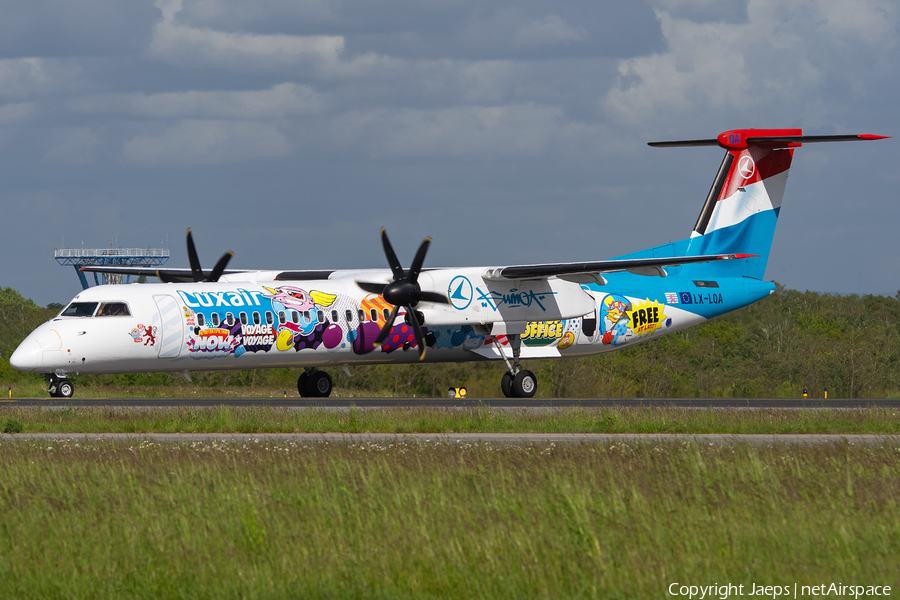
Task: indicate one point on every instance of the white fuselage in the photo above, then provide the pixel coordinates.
(255, 322)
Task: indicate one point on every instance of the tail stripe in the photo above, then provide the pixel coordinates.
(710, 205)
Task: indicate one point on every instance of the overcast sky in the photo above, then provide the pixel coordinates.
(290, 131)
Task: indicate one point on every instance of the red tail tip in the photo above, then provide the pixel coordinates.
(744, 255)
(869, 136)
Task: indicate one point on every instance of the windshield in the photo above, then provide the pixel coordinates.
(79, 309)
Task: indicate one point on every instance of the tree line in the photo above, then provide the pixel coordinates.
(778, 347)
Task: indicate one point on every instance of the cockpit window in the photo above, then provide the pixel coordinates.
(113, 309)
(79, 309)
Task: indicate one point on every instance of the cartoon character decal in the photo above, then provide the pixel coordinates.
(284, 318)
(614, 310)
(621, 320)
(145, 334)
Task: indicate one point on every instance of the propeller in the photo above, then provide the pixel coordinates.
(196, 269)
(403, 291)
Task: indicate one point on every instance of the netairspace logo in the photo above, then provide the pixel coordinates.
(701, 592)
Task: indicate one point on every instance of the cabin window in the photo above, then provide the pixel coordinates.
(256, 319)
(295, 317)
(79, 309)
(215, 319)
(362, 315)
(113, 309)
(201, 320)
(320, 316)
(270, 318)
(374, 314)
(334, 316)
(282, 318)
(349, 315)
(386, 313)
(243, 317)
(306, 316)
(229, 319)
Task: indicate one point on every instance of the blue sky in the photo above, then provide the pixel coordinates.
(511, 132)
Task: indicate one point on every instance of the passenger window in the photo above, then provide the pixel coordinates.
(269, 318)
(243, 316)
(282, 318)
(113, 309)
(295, 317)
(256, 319)
(79, 309)
(374, 314)
(229, 319)
(349, 315)
(386, 313)
(201, 320)
(215, 319)
(306, 316)
(362, 315)
(320, 316)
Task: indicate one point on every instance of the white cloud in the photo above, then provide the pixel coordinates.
(783, 55)
(193, 142)
(280, 101)
(177, 42)
(551, 29)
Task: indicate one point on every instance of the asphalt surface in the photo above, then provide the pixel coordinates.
(296, 402)
(462, 438)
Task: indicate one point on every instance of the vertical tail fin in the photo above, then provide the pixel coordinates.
(741, 210)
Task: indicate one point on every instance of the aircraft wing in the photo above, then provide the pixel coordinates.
(640, 266)
(176, 273)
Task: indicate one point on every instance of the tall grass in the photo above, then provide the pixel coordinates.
(449, 420)
(282, 520)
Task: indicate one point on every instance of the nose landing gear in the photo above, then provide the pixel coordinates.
(60, 387)
(516, 382)
(314, 383)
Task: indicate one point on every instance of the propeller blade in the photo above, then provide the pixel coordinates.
(372, 287)
(386, 330)
(166, 278)
(432, 297)
(220, 267)
(396, 269)
(196, 270)
(417, 261)
(420, 339)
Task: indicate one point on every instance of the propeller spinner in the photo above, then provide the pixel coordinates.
(403, 291)
(196, 269)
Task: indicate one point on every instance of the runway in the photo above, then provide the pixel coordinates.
(382, 439)
(295, 402)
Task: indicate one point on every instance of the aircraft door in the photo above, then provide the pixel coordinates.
(589, 326)
(171, 327)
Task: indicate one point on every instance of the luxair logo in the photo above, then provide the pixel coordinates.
(646, 317)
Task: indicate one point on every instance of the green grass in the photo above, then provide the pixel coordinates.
(267, 520)
(448, 420)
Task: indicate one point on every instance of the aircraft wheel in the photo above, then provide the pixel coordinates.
(524, 384)
(302, 382)
(506, 384)
(319, 385)
(65, 389)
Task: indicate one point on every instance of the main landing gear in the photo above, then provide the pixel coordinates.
(516, 382)
(314, 383)
(60, 387)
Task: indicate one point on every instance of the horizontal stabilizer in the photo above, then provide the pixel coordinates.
(741, 139)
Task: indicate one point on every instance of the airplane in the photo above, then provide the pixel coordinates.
(215, 319)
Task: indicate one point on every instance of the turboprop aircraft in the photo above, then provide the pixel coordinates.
(226, 319)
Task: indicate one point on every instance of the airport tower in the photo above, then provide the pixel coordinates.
(110, 257)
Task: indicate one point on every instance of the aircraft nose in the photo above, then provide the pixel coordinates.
(27, 357)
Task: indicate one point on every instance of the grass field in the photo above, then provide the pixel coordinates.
(449, 420)
(266, 520)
